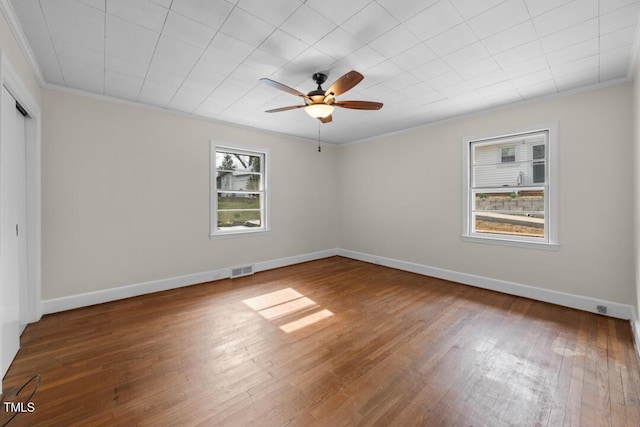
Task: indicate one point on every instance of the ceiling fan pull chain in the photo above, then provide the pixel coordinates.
(319, 148)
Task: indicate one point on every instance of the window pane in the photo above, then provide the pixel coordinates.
(514, 213)
(238, 181)
(239, 219)
(237, 201)
(538, 172)
(538, 152)
(495, 165)
(230, 161)
(509, 201)
(509, 224)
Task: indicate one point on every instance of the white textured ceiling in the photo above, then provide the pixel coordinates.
(426, 60)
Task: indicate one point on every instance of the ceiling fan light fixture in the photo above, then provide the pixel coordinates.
(319, 111)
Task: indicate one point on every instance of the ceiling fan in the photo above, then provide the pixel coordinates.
(320, 103)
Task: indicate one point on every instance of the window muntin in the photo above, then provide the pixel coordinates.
(239, 191)
(508, 204)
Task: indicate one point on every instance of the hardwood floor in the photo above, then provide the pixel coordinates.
(330, 342)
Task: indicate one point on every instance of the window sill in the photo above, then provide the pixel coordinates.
(237, 234)
(512, 243)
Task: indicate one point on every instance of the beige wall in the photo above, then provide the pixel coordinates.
(401, 197)
(126, 196)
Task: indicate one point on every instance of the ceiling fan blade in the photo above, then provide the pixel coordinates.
(359, 105)
(282, 87)
(291, 107)
(344, 83)
(326, 119)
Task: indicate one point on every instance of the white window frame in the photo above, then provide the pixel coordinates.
(264, 192)
(550, 240)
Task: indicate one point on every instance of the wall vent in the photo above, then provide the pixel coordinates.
(246, 270)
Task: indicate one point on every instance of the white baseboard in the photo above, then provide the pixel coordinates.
(621, 311)
(635, 330)
(297, 259)
(98, 297)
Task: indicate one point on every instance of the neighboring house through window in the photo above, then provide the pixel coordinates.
(538, 164)
(514, 204)
(239, 191)
(508, 154)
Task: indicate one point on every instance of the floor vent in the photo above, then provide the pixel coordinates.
(247, 270)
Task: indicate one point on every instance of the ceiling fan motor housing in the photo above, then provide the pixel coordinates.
(318, 94)
(319, 78)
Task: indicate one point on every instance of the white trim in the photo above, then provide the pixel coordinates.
(236, 235)
(14, 84)
(633, 64)
(122, 292)
(635, 331)
(18, 90)
(614, 309)
(296, 259)
(617, 310)
(497, 109)
(166, 110)
(489, 240)
(98, 297)
(14, 23)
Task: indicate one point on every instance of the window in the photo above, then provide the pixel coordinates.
(239, 191)
(514, 205)
(538, 168)
(508, 154)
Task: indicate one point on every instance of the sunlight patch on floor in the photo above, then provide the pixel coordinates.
(306, 321)
(287, 308)
(286, 302)
(272, 299)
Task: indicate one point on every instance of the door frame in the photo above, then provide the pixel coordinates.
(18, 90)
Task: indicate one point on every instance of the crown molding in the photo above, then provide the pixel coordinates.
(159, 109)
(633, 64)
(454, 118)
(21, 39)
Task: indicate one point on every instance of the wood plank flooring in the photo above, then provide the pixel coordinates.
(330, 342)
